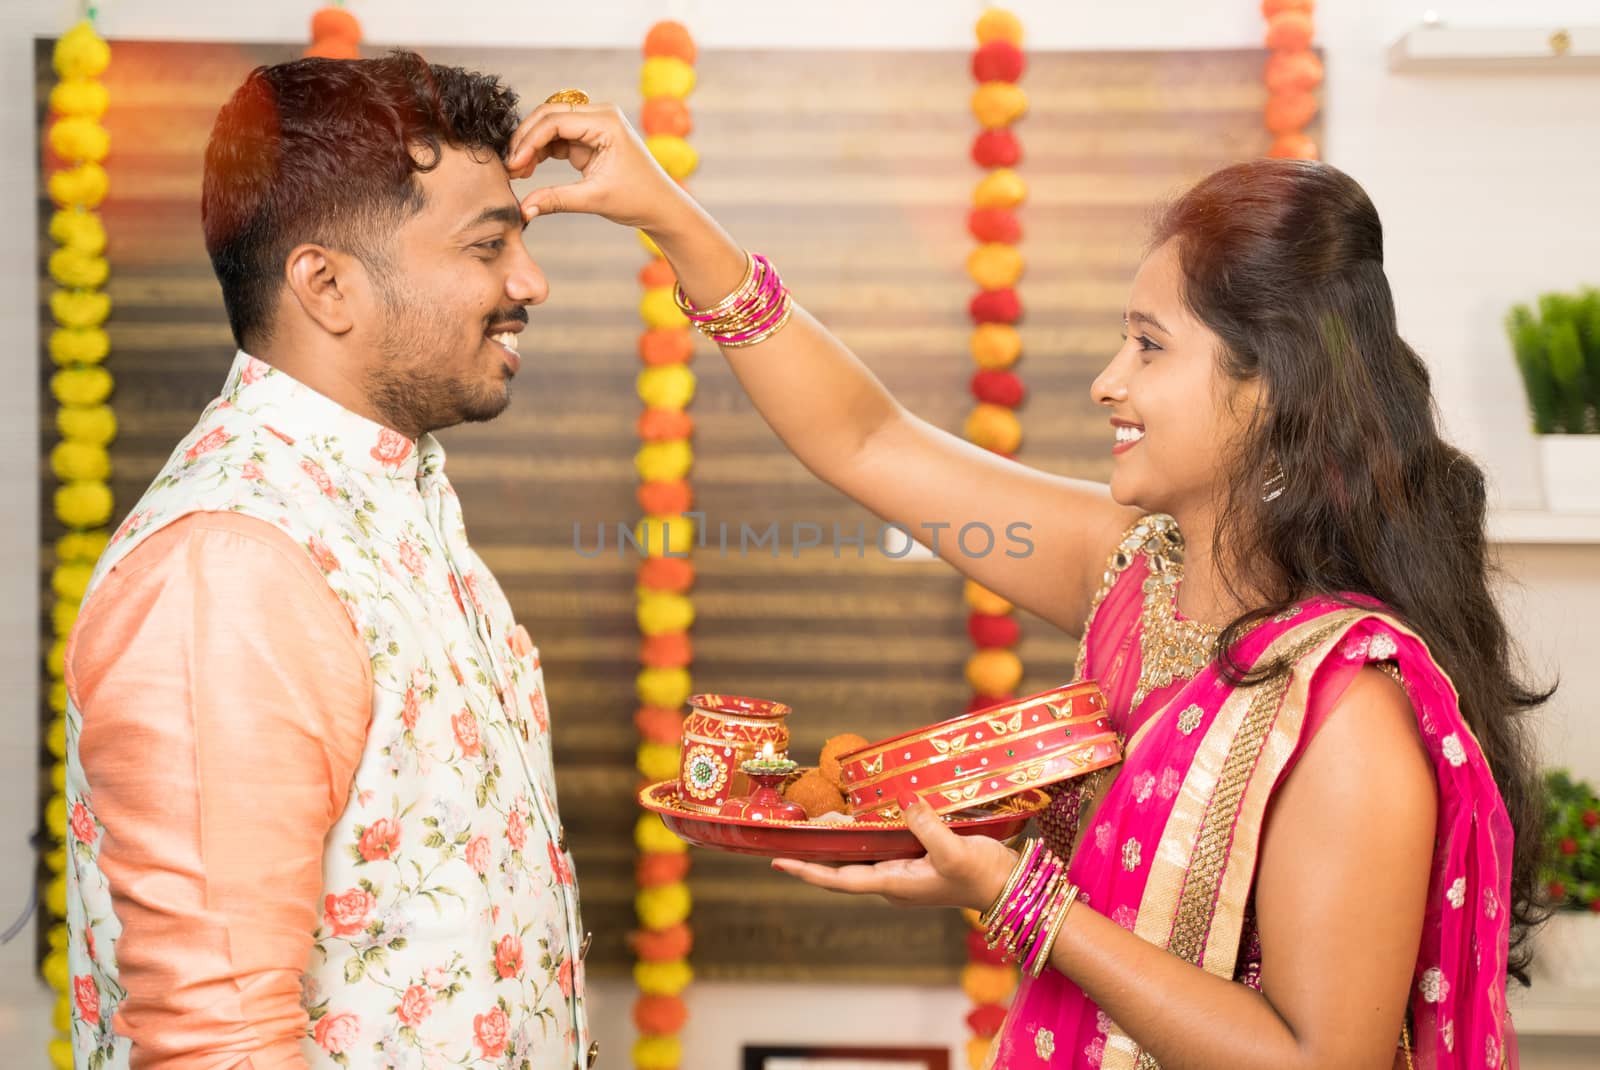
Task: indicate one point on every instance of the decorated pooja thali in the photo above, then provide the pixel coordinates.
(984, 772)
(822, 840)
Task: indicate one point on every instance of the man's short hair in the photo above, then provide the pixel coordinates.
(327, 151)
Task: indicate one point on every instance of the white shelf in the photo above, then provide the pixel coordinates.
(1560, 529)
(1551, 49)
(1555, 1012)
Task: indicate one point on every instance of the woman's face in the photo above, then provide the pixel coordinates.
(1176, 416)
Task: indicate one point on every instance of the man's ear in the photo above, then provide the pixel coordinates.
(322, 281)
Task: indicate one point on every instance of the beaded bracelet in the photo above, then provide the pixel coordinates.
(757, 309)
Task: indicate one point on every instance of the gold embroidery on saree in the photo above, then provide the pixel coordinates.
(1206, 863)
(1172, 887)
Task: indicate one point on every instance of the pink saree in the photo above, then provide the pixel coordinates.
(1170, 852)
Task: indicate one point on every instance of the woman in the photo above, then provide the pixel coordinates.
(1318, 850)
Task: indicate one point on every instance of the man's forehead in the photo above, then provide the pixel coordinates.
(466, 186)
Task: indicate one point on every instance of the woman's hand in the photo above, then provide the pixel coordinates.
(621, 180)
(957, 871)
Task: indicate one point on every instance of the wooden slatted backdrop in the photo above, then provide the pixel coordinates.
(850, 170)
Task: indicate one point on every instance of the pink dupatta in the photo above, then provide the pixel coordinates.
(1170, 852)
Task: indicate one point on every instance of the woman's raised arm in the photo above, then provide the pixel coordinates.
(1035, 539)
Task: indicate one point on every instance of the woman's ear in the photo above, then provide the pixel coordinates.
(321, 281)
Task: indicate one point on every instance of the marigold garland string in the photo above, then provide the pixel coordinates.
(78, 345)
(665, 612)
(994, 669)
(335, 34)
(1292, 74)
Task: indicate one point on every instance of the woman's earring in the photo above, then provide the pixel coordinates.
(1273, 487)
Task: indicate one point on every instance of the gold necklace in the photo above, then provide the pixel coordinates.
(1170, 648)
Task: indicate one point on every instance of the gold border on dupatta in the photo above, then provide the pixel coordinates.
(1177, 903)
(1219, 953)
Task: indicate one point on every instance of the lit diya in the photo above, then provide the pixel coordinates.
(982, 757)
(767, 772)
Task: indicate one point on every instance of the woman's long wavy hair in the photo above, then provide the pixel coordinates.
(1283, 259)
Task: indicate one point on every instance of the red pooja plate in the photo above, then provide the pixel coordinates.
(816, 841)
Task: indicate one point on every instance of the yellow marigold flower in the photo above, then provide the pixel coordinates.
(658, 310)
(77, 269)
(72, 460)
(78, 137)
(78, 230)
(994, 671)
(662, 978)
(999, 104)
(662, 906)
(81, 53)
(657, 1053)
(994, 427)
(1000, 188)
(666, 386)
(79, 345)
(995, 346)
(664, 460)
(998, 24)
(994, 266)
(75, 309)
(676, 156)
(665, 76)
(649, 835)
(657, 761)
(83, 186)
(80, 96)
(664, 688)
(982, 600)
(83, 505)
(92, 424)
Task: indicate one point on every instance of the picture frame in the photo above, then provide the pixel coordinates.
(841, 1057)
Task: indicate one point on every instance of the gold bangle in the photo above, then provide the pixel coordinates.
(740, 319)
(991, 915)
(1036, 893)
(1043, 958)
(1039, 911)
(782, 321)
(739, 294)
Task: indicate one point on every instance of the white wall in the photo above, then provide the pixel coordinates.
(1480, 180)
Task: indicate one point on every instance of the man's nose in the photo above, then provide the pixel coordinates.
(526, 284)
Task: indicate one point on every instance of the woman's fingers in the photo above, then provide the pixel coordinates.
(550, 123)
(942, 845)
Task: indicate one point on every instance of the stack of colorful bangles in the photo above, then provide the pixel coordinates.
(756, 310)
(1028, 914)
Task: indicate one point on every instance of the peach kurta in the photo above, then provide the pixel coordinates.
(208, 785)
(230, 735)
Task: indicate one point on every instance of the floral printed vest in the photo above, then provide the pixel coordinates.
(450, 927)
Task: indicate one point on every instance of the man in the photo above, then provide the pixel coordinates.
(313, 809)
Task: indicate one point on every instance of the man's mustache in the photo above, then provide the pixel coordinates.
(514, 314)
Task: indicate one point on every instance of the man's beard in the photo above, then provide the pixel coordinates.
(408, 388)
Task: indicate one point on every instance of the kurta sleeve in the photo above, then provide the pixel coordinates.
(225, 698)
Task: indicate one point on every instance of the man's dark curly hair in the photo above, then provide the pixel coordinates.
(327, 151)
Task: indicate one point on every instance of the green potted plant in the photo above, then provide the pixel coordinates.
(1569, 946)
(1558, 353)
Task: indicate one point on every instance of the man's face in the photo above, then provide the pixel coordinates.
(451, 300)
